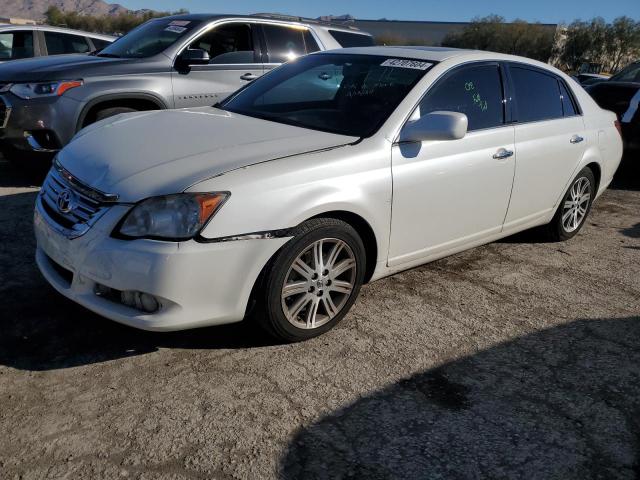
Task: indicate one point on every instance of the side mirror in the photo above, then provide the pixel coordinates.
(436, 126)
(194, 56)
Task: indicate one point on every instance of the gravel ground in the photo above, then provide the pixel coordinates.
(518, 359)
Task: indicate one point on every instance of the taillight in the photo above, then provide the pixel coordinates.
(618, 127)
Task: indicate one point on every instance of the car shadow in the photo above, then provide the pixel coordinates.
(632, 232)
(560, 403)
(44, 331)
(41, 330)
(27, 176)
(627, 176)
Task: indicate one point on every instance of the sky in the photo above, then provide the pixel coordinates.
(546, 11)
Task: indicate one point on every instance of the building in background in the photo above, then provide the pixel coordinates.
(408, 32)
(17, 21)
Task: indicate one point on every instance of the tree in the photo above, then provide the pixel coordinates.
(118, 24)
(622, 40)
(584, 43)
(492, 33)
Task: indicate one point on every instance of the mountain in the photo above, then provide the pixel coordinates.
(35, 9)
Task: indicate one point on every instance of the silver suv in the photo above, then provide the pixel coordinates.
(172, 62)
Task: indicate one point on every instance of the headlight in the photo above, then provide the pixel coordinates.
(171, 217)
(44, 89)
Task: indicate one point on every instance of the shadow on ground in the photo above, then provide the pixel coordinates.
(632, 232)
(561, 403)
(627, 176)
(31, 175)
(41, 330)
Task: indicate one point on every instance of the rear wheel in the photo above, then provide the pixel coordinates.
(313, 281)
(574, 207)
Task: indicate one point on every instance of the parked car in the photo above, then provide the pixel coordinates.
(589, 78)
(621, 94)
(28, 41)
(173, 62)
(279, 200)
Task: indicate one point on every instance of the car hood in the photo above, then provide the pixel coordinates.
(145, 154)
(59, 67)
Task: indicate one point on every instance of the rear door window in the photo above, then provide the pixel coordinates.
(230, 43)
(15, 45)
(62, 43)
(285, 43)
(474, 90)
(346, 39)
(537, 95)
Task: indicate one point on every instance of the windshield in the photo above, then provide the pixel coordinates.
(629, 74)
(149, 39)
(339, 93)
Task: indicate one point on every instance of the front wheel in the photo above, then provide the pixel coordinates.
(313, 281)
(112, 112)
(574, 207)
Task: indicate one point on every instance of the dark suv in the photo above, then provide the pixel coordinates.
(172, 62)
(621, 94)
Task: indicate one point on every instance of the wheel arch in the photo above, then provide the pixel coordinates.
(365, 231)
(139, 99)
(597, 173)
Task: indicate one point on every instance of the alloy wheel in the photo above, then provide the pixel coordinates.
(576, 205)
(319, 283)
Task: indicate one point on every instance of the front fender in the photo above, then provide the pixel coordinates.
(281, 194)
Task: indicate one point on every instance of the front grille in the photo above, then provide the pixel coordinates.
(71, 209)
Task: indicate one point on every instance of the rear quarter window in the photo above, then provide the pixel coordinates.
(99, 44)
(62, 43)
(346, 39)
(568, 106)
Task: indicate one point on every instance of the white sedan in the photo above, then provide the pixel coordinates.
(331, 171)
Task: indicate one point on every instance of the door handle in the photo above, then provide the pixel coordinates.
(502, 154)
(248, 77)
(576, 139)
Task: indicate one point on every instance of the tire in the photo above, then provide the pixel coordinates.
(563, 228)
(322, 292)
(111, 112)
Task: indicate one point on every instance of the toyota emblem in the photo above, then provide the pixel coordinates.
(66, 201)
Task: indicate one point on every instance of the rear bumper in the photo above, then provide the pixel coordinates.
(197, 284)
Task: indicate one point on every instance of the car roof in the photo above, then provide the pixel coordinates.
(440, 54)
(49, 28)
(435, 54)
(265, 17)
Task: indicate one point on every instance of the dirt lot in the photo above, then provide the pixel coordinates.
(518, 359)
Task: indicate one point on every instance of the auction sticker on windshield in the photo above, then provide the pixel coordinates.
(400, 63)
(175, 29)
